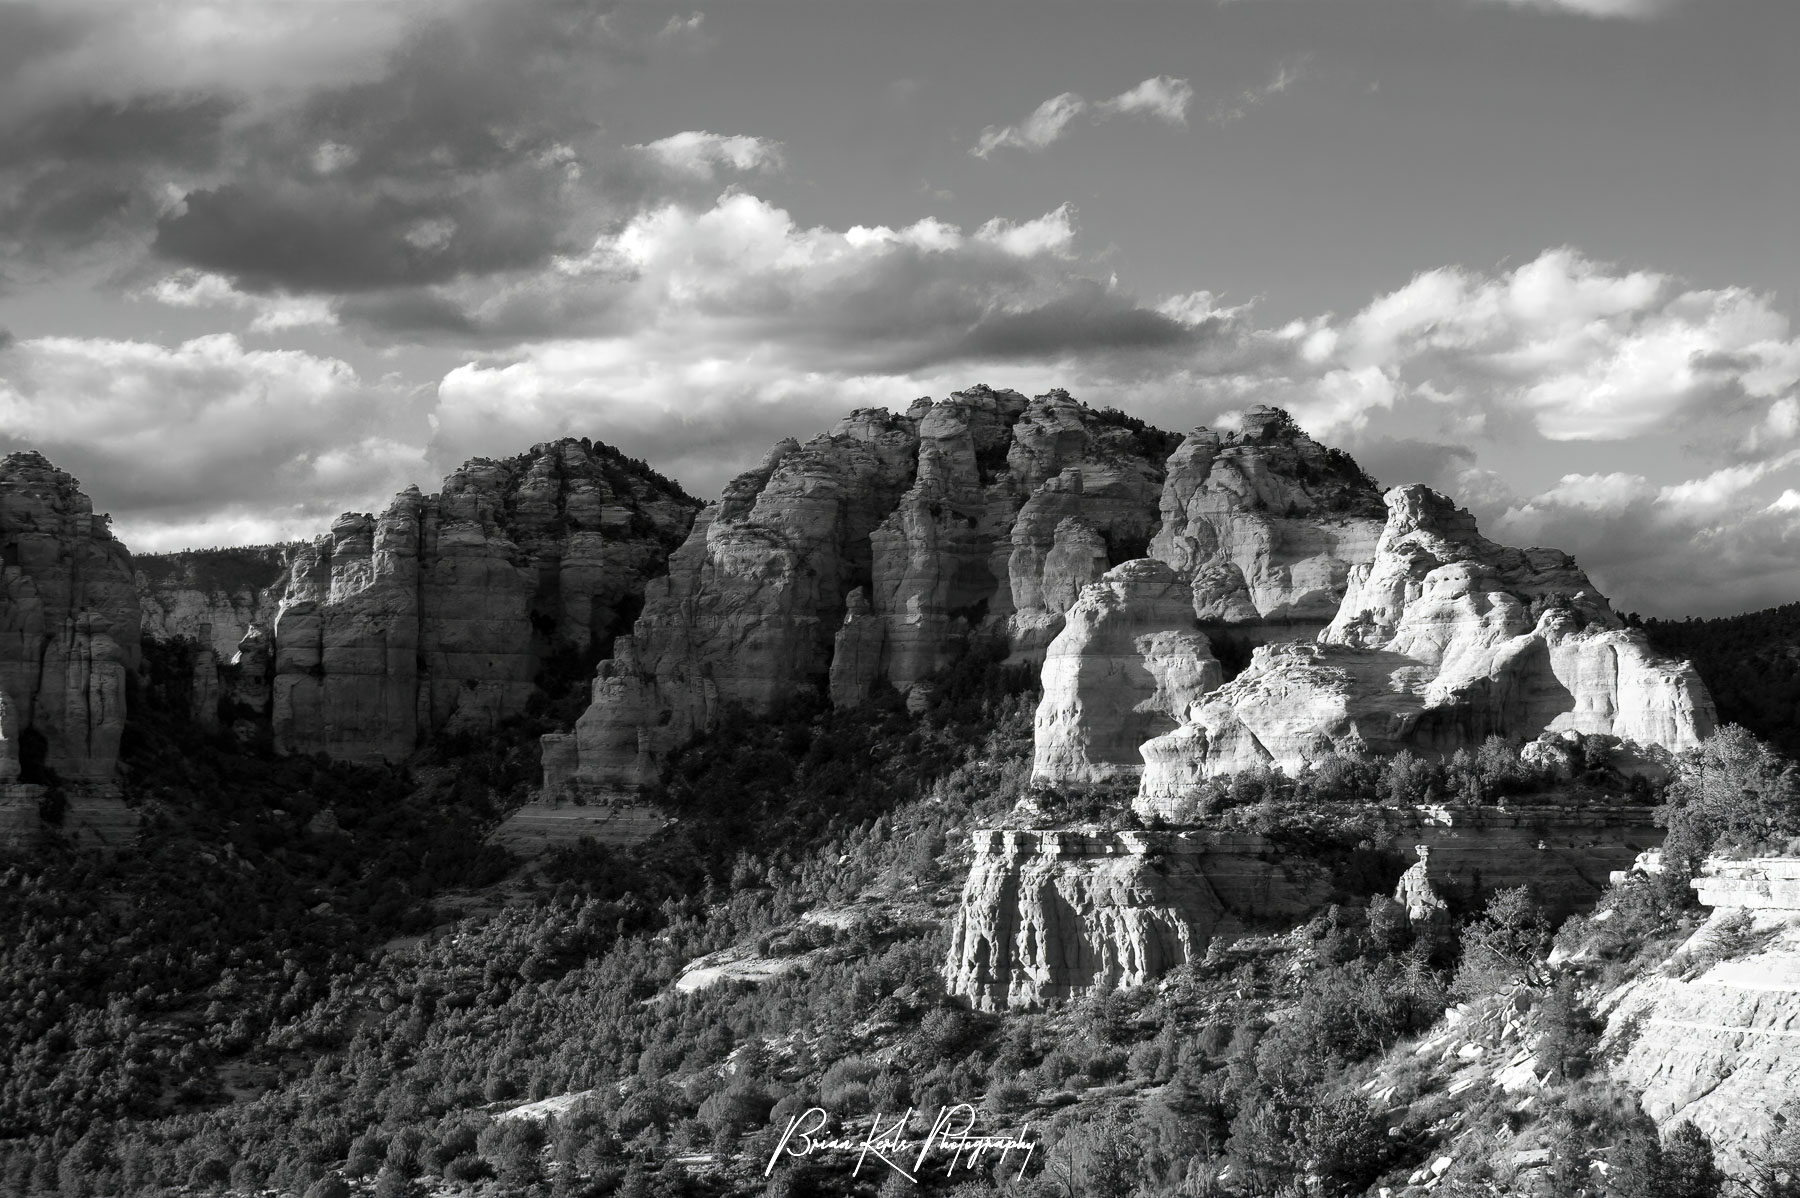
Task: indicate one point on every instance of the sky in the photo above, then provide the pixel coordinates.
(265, 261)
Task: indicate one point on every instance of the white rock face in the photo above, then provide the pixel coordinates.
(1443, 639)
(1721, 1046)
(1266, 522)
(1125, 668)
(1050, 915)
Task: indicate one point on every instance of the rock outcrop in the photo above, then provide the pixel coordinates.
(69, 623)
(1266, 522)
(219, 592)
(1443, 639)
(1048, 915)
(1126, 666)
(1715, 1036)
(437, 616)
(983, 511)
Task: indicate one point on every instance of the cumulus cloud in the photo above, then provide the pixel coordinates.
(269, 313)
(1161, 97)
(1704, 545)
(209, 439)
(334, 148)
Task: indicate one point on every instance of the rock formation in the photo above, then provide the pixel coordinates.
(1715, 1042)
(438, 615)
(68, 620)
(1443, 639)
(1053, 914)
(1266, 522)
(228, 591)
(981, 512)
(1124, 669)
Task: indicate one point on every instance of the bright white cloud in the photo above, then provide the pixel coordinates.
(699, 155)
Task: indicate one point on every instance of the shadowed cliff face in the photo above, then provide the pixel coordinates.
(69, 624)
(436, 616)
(866, 558)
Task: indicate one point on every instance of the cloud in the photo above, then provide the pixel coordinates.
(1570, 348)
(1280, 80)
(700, 155)
(269, 313)
(1161, 97)
(1703, 545)
(325, 147)
(207, 439)
(1638, 9)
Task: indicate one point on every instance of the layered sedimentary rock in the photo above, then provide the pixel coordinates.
(1050, 915)
(220, 592)
(1266, 522)
(1443, 639)
(438, 615)
(1718, 1042)
(1125, 668)
(69, 623)
(980, 511)
(1053, 914)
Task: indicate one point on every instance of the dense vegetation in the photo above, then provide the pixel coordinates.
(1751, 664)
(261, 995)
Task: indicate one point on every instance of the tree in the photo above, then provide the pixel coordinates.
(1505, 945)
(1346, 1144)
(1732, 792)
(1680, 1166)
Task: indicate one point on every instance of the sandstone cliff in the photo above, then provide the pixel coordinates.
(1124, 669)
(69, 623)
(1442, 639)
(867, 557)
(1048, 915)
(1713, 1037)
(1266, 522)
(438, 615)
(983, 511)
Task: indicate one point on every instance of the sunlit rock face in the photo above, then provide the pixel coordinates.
(1443, 639)
(1715, 1042)
(69, 621)
(1125, 668)
(866, 559)
(1266, 522)
(437, 616)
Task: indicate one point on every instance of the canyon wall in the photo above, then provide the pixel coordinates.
(69, 622)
